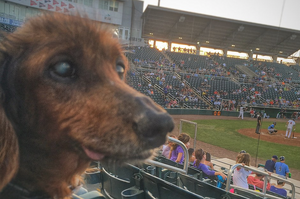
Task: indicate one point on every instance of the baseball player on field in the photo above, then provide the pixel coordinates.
(241, 112)
(289, 129)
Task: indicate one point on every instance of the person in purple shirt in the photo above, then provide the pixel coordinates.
(176, 152)
(279, 187)
(199, 163)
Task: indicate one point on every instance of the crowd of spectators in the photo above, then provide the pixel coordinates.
(258, 90)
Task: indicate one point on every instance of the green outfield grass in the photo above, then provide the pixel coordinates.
(223, 133)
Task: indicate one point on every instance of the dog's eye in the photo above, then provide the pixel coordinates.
(63, 69)
(120, 70)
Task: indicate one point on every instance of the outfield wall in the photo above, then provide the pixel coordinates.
(175, 111)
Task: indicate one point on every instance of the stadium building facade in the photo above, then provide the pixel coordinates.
(123, 15)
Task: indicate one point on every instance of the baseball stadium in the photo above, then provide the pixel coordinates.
(231, 86)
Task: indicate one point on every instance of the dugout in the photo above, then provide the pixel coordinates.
(273, 111)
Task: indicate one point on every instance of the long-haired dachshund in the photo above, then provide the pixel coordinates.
(64, 103)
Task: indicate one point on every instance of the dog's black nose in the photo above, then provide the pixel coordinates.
(151, 123)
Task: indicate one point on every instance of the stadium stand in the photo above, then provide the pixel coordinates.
(167, 179)
(213, 82)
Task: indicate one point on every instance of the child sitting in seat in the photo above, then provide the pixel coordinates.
(176, 152)
(199, 163)
(167, 147)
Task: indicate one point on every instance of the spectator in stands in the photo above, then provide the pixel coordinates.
(176, 152)
(282, 168)
(240, 173)
(252, 113)
(167, 147)
(272, 129)
(208, 162)
(279, 187)
(199, 163)
(191, 155)
(270, 164)
(239, 155)
(257, 180)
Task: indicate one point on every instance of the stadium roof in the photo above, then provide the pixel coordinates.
(189, 28)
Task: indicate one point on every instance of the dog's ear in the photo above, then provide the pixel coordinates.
(9, 149)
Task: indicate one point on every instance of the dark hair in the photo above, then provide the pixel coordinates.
(191, 151)
(279, 182)
(183, 137)
(199, 155)
(208, 158)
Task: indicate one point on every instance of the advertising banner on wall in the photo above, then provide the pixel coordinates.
(67, 7)
(50, 5)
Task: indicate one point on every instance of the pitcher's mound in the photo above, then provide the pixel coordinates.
(279, 137)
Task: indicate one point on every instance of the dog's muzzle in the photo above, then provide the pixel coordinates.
(151, 123)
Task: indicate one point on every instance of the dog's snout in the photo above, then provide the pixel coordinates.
(151, 123)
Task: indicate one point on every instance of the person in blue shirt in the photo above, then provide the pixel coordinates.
(270, 164)
(272, 129)
(282, 168)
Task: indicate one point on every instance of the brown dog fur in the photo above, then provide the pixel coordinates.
(55, 119)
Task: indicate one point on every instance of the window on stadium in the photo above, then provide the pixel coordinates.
(126, 34)
(120, 33)
(285, 60)
(113, 6)
(182, 48)
(208, 51)
(103, 4)
(160, 45)
(151, 43)
(109, 5)
(262, 58)
(238, 55)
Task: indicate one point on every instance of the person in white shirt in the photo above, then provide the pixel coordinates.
(289, 129)
(240, 173)
(241, 112)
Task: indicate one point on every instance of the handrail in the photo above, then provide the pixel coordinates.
(172, 168)
(265, 174)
